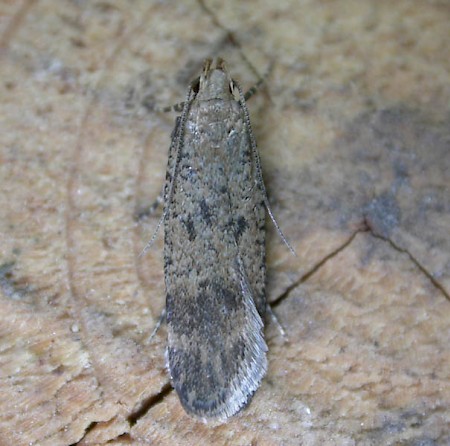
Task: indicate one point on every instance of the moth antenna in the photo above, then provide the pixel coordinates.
(258, 168)
(187, 104)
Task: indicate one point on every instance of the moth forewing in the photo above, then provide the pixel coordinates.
(214, 252)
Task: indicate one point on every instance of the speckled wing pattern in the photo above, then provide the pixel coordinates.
(214, 253)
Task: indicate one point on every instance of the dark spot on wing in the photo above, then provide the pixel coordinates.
(225, 296)
(205, 211)
(188, 223)
(241, 227)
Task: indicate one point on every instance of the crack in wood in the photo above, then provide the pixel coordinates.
(89, 427)
(144, 407)
(148, 403)
(368, 229)
(314, 269)
(415, 261)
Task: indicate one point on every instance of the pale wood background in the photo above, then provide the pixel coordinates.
(353, 131)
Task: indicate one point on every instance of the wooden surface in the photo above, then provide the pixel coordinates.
(353, 131)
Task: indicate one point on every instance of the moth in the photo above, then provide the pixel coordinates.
(214, 250)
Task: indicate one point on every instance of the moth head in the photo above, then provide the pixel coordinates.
(214, 82)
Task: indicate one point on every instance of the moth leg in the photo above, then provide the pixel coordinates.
(275, 320)
(151, 210)
(150, 106)
(180, 107)
(249, 93)
(159, 322)
(165, 192)
(257, 162)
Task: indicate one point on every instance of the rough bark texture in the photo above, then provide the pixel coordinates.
(353, 131)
